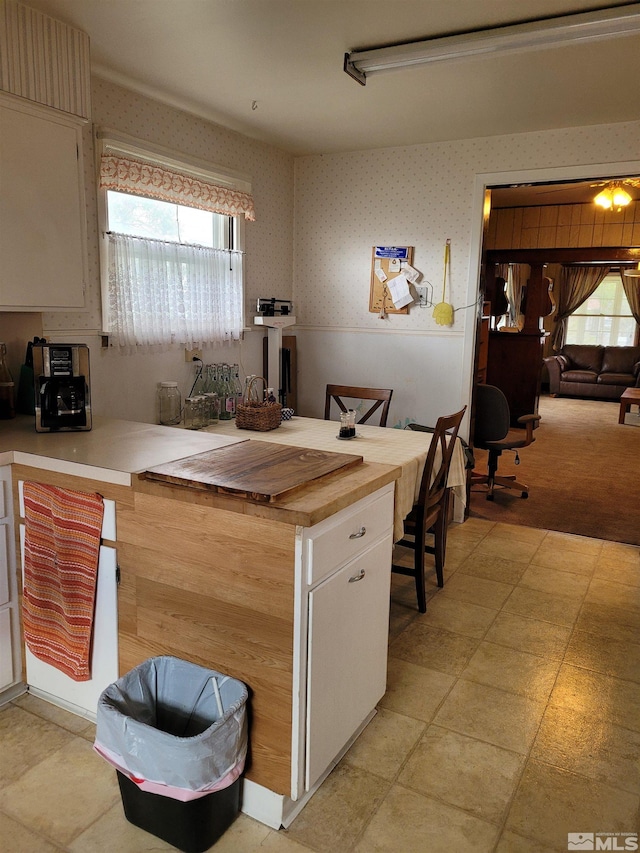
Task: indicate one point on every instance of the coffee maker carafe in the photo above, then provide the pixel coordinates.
(62, 389)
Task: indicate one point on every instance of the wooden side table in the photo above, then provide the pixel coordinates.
(630, 397)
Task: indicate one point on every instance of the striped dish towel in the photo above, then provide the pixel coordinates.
(61, 550)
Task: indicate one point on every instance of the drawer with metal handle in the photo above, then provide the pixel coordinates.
(334, 542)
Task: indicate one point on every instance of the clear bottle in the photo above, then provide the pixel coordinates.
(237, 385)
(209, 379)
(249, 384)
(199, 382)
(169, 404)
(227, 395)
(7, 388)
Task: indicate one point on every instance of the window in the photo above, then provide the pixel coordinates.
(171, 251)
(175, 223)
(605, 317)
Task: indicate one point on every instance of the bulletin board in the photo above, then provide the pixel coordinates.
(388, 260)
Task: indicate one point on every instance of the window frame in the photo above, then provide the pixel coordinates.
(125, 145)
(615, 272)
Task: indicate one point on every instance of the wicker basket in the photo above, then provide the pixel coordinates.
(254, 413)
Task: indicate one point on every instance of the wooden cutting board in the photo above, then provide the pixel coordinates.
(259, 470)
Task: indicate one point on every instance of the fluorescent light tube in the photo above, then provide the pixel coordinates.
(534, 35)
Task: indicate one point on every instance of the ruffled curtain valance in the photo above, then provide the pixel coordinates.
(138, 177)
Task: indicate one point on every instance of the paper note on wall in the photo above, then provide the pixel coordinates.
(399, 290)
(410, 273)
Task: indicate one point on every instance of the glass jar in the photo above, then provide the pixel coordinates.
(212, 407)
(201, 412)
(192, 413)
(347, 424)
(169, 404)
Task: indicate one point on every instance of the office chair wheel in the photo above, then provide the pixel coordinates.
(490, 496)
(525, 495)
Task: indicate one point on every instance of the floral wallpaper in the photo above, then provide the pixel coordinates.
(418, 196)
(317, 219)
(268, 241)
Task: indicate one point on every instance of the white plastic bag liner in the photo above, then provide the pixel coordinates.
(174, 728)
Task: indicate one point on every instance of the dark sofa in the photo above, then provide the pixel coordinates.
(586, 370)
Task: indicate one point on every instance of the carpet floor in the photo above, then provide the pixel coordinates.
(583, 473)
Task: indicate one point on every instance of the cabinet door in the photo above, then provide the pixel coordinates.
(82, 696)
(347, 669)
(6, 656)
(5, 589)
(42, 216)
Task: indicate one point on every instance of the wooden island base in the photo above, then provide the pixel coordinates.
(289, 596)
(205, 578)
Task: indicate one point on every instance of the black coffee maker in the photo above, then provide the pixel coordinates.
(62, 389)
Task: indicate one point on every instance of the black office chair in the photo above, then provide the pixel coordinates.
(430, 512)
(493, 433)
(381, 396)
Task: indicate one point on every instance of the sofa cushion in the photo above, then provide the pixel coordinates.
(617, 379)
(587, 376)
(620, 359)
(584, 356)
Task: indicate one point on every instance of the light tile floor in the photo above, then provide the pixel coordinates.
(512, 718)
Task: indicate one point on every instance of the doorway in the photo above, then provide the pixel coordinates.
(559, 187)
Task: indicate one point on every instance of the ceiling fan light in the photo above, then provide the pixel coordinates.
(604, 199)
(621, 197)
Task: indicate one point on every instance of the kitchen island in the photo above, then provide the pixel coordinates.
(290, 596)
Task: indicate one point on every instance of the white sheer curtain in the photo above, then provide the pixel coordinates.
(161, 293)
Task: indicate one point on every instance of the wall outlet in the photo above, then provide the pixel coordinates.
(424, 293)
(192, 355)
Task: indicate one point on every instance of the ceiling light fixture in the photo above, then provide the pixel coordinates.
(634, 272)
(613, 197)
(530, 35)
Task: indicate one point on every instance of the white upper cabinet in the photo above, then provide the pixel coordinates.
(43, 256)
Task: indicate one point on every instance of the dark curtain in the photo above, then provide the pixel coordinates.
(575, 286)
(631, 284)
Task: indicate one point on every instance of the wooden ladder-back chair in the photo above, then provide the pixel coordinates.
(381, 396)
(431, 509)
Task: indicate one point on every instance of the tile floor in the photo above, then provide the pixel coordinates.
(512, 718)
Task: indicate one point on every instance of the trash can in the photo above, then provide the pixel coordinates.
(176, 733)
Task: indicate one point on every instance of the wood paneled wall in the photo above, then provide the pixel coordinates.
(563, 226)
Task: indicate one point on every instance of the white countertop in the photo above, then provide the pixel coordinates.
(112, 451)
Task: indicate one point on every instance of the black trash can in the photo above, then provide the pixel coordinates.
(176, 733)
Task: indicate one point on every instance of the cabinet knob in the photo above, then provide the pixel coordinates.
(357, 577)
(359, 534)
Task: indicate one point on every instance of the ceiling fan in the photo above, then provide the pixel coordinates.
(632, 182)
(562, 187)
(613, 194)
